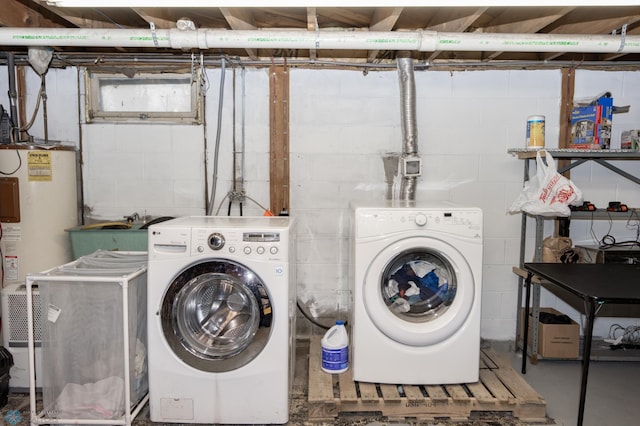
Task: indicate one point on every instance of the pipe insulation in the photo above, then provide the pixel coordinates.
(409, 123)
(424, 41)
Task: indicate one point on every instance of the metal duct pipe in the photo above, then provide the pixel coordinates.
(408, 106)
(409, 127)
(424, 41)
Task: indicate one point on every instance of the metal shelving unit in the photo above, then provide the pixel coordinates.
(576, 157)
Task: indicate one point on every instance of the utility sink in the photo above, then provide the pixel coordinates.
(114, 235)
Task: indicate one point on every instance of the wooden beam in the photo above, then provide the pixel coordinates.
(605, 25)
(566, 106)
(516, 21)
(459, 24)
(312, 25)
(384, 19)
(507, 23)
(16, 14)
(78, 17)
(240, 19)
(160, 23)
(279, 138)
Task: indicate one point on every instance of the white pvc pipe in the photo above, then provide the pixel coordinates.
(509, 42)
(424, 41)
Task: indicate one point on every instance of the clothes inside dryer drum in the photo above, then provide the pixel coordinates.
(418, 285)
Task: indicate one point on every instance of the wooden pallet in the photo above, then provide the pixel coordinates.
(500, 389)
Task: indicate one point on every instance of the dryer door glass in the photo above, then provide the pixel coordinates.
(419, 291)
(418, 285)
(216, 316)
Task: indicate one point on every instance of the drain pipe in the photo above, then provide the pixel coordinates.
(411, 163)
(423, 41)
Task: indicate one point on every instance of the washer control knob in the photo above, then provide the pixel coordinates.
(247, 250)
(260, 250)
(274, 250)
(216, 241)
(421, 220)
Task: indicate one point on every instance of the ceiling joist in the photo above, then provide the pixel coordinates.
(520, 21)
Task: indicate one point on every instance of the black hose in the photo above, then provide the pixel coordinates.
(311, 319)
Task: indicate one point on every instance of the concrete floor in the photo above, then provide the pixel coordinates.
(613, 389)
(613, 394)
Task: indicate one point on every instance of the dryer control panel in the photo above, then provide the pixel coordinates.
(459, 222)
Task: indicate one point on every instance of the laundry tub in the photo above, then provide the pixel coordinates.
(114, 236)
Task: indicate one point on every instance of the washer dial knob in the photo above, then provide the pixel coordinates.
(216, 241)
(421, 220)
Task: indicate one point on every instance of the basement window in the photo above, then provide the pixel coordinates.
(162, 97)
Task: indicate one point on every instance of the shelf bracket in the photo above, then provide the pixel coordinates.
(617, 170)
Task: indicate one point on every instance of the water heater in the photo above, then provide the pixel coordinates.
(38, 201)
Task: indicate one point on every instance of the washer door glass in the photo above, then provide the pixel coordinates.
(216, 316)
(419, 291)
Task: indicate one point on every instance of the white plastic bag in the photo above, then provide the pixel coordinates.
(548, 193)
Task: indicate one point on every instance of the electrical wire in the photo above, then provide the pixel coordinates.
(19, 162)
(24, 129)
(609, 241)
(595, 238)
(624, 335)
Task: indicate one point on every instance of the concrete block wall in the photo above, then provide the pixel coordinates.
(341, 123)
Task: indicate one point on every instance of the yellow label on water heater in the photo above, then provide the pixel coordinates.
(39, 166)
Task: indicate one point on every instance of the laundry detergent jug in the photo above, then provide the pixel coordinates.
(335, 349)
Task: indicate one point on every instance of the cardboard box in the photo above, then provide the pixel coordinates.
(630, 139)
(555, 340)
(591, 125)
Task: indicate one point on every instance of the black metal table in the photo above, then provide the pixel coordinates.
(595, 284)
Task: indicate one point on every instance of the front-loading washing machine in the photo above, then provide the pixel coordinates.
(221, 304)
(416, 275)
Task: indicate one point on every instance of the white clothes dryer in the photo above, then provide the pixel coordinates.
(416, 275)
(221, 303)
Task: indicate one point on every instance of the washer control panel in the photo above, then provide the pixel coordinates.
(248, 244)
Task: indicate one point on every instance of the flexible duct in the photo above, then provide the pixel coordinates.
(424, 41)
(409, 125)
